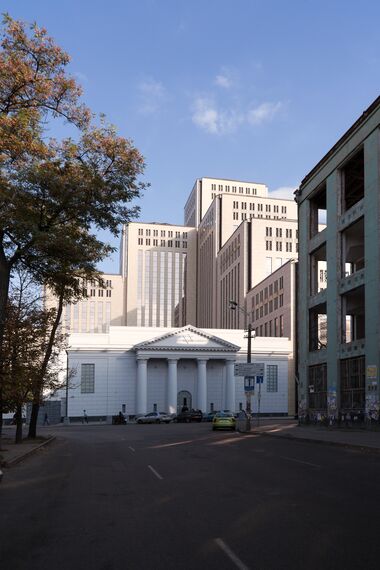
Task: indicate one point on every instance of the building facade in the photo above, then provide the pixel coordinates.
(339, 324)
(102, 305)
(158, 263)
(256, 249)
(138, 369)
(271, 309)
(206, 189)
(265, 227)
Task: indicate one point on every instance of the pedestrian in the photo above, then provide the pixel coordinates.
(46, 420)
(85, 417)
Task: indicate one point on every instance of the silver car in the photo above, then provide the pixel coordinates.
(155, 418)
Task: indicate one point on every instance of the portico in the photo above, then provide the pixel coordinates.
(137, 370)
(214, 360)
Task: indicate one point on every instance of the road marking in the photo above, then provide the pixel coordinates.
(131, 448)
(172, 444)
(155, 472)
(231, 555)
(299, 461)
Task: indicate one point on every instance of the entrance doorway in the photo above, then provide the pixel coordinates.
(184, 400)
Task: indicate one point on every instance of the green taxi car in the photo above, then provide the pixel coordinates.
(224, 420)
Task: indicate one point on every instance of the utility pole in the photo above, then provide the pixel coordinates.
(249, 352)
(66, 419)
(235, 306)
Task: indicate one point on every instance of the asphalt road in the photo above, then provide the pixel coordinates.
(183, 497)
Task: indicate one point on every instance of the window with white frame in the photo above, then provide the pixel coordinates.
(272, 378)
(87, 380)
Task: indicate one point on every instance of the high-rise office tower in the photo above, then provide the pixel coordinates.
(158, 262)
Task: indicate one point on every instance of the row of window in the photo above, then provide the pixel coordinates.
(269, 307)
(269, 291)
(87, 385)
(352, 373)
(288, 232)
(288, 246)
(95, 283)
(244, 216)
(230, 254)
(228, 188)
(163, 242)
(154, 233)
(260, 207)
(101, 292)
(274, 327)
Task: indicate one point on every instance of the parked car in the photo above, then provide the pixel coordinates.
(155, 418)
(190, 416)
(167, 418)
(224, 420)
(211, 415)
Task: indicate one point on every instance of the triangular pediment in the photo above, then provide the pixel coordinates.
(188, 338)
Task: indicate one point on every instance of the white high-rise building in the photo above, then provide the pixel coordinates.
(235, 235)
(206, 189)
(102, 305)
(243, 235)
(158, 261)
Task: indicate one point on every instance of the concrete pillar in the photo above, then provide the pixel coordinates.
(142, 386)
(230, 385)
(172, 386)
(202, 385)
(333, 300)
(372, 271)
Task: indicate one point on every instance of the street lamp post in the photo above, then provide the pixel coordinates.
(251, 334)
(66, 419)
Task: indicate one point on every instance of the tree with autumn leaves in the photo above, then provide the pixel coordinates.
(54, 194)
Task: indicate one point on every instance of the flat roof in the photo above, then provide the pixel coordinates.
(162, 224)
(363, 117)
(232, 180)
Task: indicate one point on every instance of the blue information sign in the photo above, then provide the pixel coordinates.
(259, 379)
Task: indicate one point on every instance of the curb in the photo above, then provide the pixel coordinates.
(354, 446)
(27, 453)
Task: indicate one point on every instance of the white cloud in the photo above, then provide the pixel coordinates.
(286, 192)
(210, 118)
(152, 95)
(263, 113)
(223, 81)
(217, 120)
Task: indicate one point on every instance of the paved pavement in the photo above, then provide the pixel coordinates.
(184, 497)
(352, 437)
(11, 453)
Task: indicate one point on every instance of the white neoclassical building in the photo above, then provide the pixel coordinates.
(139, 369)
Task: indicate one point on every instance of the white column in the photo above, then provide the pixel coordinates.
(202, 385)
(172, 386)
(142, 386)
(230, 385)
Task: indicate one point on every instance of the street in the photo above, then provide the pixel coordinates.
(180, 496)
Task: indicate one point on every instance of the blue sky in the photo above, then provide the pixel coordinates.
(252, 90)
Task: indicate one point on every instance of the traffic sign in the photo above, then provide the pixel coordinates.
(249, 383)
(259, 379)
(249, 369)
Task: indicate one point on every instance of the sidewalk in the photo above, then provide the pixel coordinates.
(12, 453)
(347, 437)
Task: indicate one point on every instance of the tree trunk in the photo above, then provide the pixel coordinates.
(32, 433)
(4, 291)
(39, 388)
(18, 418)
(5, 274)
(1, 419)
